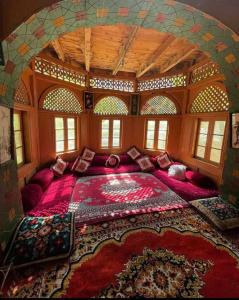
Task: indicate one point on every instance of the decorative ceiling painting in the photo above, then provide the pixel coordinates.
(203, 31)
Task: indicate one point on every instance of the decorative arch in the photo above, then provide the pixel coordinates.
(61, 100)
(111, 105)
(210, 99)
(159, 105)
(21, 94)
(179, 19)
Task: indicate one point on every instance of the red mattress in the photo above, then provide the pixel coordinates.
(184, 189)
(56, 198)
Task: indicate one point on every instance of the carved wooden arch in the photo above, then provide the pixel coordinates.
(196, 92)
(55, 87)
(163, 94)
(122, 98)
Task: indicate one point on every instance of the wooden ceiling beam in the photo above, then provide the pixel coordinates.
(125, 47)
(170, 64)
(153, 58)
(57, 47)
(87, 48)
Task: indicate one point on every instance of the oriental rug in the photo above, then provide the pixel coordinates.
(169, 254)
(104, 197)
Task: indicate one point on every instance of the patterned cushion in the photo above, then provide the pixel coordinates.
(133, 153)
(177, 172)
(39, 239)
(81, 165)
(88, 154)
(145, 163)
(164, 160)
(221, 213)
(113, 161)
(60, 166)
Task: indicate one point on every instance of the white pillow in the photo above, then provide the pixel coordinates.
(177, 172)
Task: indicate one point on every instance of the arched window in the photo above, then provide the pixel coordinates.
(62, 100)
(210, 99)
(159, 105)
(111, 106)
(21, 95)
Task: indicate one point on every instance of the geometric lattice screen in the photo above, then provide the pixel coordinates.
(159, 105)
(21, 95)
(210, 99)
(62, 100)
(111, 106)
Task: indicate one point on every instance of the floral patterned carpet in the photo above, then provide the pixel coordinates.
(173, 253)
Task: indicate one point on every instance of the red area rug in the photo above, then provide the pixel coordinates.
(145, 263)
(97, 198)
(168, 254)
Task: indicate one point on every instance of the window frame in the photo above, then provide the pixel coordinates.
(65, 128)
(110, 144)
(156, 134)
(21, 116)
(208, 146)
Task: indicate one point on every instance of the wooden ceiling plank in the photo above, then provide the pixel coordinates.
(57, 47)
(87, 48)
(173, 63)
(153, 58)
(125, 47)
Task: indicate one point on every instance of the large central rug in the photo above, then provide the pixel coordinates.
(97, 198)
(168, 254)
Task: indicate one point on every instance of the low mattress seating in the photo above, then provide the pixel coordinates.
(185, 189)
(56, 191)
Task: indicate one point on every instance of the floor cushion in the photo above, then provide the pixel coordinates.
(99, 160)
(40, 239)
(43, 178)
(31, 195)
(97, 170)
(199, 179)
(221, 213)
(125, 159)
(184, 189)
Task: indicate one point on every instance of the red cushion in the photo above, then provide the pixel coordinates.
(43, 178)
(31, 195)
(125, 159)
(199, 179)
(98, 170)
(99, 160)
